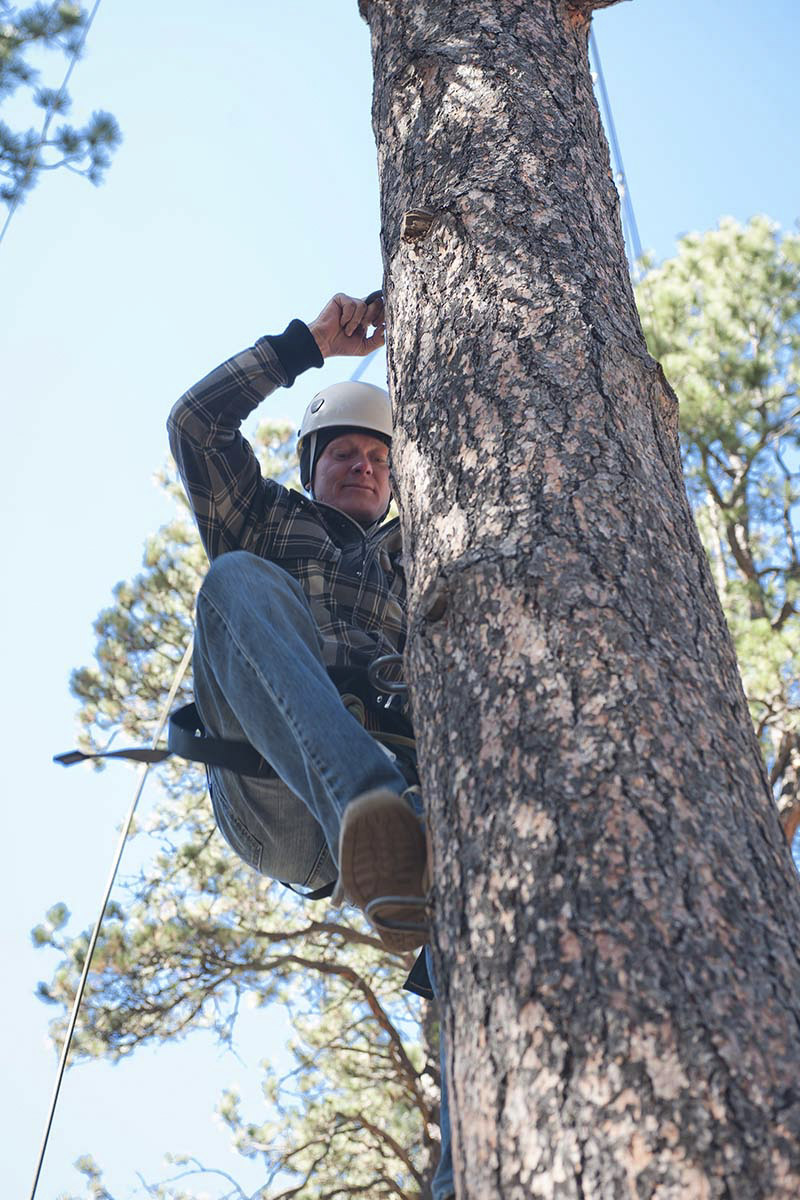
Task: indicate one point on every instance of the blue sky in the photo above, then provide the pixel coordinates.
(245, 193)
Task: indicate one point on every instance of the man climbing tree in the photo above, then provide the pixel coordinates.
(615, 904)
(302, 597)
(727, 293)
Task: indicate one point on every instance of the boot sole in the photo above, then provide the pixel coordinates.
(382, 852)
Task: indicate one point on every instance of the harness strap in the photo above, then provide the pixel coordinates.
(187, 738)
(138, 754)
(320, 893)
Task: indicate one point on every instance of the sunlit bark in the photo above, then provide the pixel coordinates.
(615, 902)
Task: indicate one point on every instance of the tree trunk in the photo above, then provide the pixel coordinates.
(615, 902)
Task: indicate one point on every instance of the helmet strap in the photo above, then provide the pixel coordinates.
(312, 448)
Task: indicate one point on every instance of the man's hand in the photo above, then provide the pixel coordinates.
(341, 327)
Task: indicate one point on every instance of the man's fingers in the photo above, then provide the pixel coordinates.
(341, 327)
(374, 313)
(353, 313)
(343, 306)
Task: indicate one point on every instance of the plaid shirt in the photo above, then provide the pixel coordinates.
(353, 577)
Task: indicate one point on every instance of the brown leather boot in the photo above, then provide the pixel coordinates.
(383, 866)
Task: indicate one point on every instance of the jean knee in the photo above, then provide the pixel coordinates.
(229, 573)
(225, 568)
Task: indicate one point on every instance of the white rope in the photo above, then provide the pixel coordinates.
(628, 215)
(359, 370)
(630, 228)
(173, 691)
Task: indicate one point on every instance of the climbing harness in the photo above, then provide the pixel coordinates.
(370, 699)
(186, 737)
(394, 686)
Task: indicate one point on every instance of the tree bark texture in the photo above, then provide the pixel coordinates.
(615, 905)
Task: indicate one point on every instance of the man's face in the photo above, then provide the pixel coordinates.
(352, 474)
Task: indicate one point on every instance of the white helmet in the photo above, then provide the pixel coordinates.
(339, 409)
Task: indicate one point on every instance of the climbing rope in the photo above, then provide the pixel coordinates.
(362, 366)
(173, 691)
(630, 228)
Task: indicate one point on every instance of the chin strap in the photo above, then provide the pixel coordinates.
(312, 446)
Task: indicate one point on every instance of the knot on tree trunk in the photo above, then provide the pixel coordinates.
(434, 602)
(417, 224)
(579, 12)
(584, 7)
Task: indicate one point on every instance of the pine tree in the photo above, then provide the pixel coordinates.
(723, 316)
(699, 318)
(615, 903)
(24, 155)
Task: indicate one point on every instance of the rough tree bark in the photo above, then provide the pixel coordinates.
(616, 908)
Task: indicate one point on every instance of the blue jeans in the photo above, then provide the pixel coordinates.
(259, 677)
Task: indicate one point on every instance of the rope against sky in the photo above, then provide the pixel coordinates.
(162, 720)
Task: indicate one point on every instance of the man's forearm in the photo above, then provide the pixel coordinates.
(218, 467)
(211, 411)
(297, 350)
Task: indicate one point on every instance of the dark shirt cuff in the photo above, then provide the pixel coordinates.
(296, 349)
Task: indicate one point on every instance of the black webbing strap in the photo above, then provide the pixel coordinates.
(321, 893)
(135, 754)
(186, 737)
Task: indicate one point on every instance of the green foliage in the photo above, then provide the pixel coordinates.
(197, 935)
(723, 317)
(54, 919)
(94, 1180)
(85, 149)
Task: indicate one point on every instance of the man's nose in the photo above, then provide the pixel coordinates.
(363, 466)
